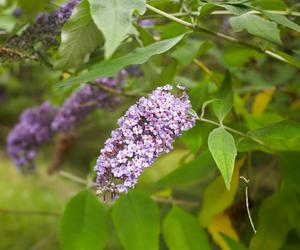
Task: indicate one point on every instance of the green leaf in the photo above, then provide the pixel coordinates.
(234, 245)
(273, 225)
(32, 7)
(222, 147)
(256, 26)
(271, 4)
(225, 96)
(84, 223)
(136, 218)
(193, 138)
(182, 231)
(190, 50)
(169, 72)
(217, 198)
(79, 36)
(113, 18)
(282, 56)
(112, 67)
(199, 94)
(290, 171)
(206, 9)
(145, 36)
(283, 20)
(279, 130)
(193, 171)
(7, 22)
(237, 56)
(235, 8)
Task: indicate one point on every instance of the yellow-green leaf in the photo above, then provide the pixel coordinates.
(217, 198)
(221, 223)
(262, 100)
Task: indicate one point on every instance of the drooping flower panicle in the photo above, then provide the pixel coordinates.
(32, 130)
(147, 129)
(80, 104)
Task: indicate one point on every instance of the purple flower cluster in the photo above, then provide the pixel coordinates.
(79, 105)
(37, 125)
(32, 130)
(148, 129)
(45, 29)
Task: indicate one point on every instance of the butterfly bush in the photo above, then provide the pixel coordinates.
(79, 105)
(147, 129)
(45, 29)
(32, 130)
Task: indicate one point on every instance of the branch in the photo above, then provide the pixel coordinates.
(13, 54)
(226, 12)
(223, 36)
(207, 71)
(174, 201)
(233, 131)
(24, 212)
(159, 199)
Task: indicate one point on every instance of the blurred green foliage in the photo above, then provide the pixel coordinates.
(239, 61)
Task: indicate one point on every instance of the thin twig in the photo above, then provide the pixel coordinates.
(233, 130)
(170, 200)
(226, 37)
(154, 197)
(247, 202)
(207, 71)
(11, 53)
(226, 12)
(72, 177)
(28, 212)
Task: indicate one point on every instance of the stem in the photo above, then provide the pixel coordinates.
(247, 202)
(169, 16)
(232, 130)
(226, 12)
(10, 53)
(20, 212)
(154, 197)
(72, 177)
(228, 38)
(207, 71)
(175, 201)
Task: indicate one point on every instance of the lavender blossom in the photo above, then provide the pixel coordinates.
(148, 129)
(79, 105)
(146, 23)
(134, 70)
(45, 29)
(17, 12)
(32, 130)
